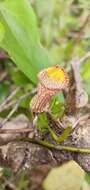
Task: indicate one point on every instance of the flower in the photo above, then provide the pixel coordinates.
(51, 81)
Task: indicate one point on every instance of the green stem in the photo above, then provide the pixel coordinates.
(56, 147)
(63, 135)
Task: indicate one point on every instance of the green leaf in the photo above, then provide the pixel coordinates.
(7, 172)
(57, 106)
(42, 123)
(2, 32)
(62, 136)
(19, 78)
(21, 39)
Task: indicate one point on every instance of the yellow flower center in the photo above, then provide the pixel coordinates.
(56, 73)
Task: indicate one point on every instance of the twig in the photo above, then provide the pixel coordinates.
(8, 105)
(21, 130)
(86, 56)
(10, 114)
(81, 95)
(16, 106)
(82, 118)
(8, 99)
(84, 24)
(3, 76)
(52, 122)
(76, 67)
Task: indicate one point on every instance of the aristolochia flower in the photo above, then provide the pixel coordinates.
(51, 81)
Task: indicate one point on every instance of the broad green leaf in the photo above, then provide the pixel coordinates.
(19, 78)
(2, 31)
(67, 177)
(21, 39)
(57, 106)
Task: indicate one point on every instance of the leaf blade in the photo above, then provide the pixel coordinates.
(22, 40)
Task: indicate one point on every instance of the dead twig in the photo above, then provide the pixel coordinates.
(84, 24)
(82, 118)
(4, 104)
(81, 95)
(16, 106)
(3, 76)
(8, 105)
(77, 95)
(13, 131)
(84, 58)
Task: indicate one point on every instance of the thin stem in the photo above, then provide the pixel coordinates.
(65, 133)
(52, 146)
(84, 24)
(82, 118)
(16, 106)
(8, 99)
(48, 145)
(84, 58)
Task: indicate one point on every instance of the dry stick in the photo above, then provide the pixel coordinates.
(8, 105)
(82, 118)
(10, 114)
(8, 99)
(21, 130)
(84, 58)
(81, 95)
(75, 65)
(53, 122)
(3, 76)
(16, 106)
